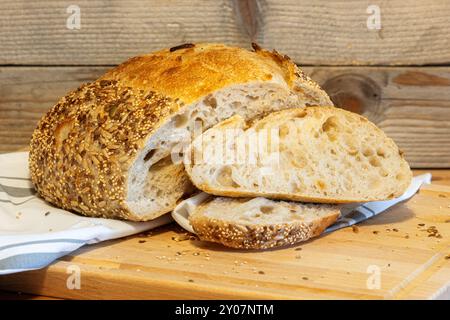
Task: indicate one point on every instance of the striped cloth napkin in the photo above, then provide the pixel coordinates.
(33, 233)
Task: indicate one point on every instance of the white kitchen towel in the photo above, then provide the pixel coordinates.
(34, 233)
(350, 214)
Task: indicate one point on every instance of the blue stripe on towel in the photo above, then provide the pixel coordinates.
(18, 192)
(30, 261)
(17, 203)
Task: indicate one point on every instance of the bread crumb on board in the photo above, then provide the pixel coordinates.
(184, 237)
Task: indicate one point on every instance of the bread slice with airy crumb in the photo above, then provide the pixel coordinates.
(260, 223)
(314, 154)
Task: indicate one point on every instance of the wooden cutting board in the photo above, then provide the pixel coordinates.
(403, 253)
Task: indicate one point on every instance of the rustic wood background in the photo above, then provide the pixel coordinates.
(398, 76)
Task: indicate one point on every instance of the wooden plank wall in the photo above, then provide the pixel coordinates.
(398, 76)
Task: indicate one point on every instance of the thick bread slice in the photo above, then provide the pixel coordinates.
(323, 154)
(105, 149)
(260, 223)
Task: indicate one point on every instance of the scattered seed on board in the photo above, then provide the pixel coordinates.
(183, 237)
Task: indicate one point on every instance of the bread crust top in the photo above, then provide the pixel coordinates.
(191, 71)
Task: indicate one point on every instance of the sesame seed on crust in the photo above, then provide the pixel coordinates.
(82, 148)
(258, 236)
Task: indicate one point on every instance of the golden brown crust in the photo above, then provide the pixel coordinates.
(81, 150)
(258, 236)
(193, 71)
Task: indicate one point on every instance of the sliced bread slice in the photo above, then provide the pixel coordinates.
(317, 154)
(260, 223)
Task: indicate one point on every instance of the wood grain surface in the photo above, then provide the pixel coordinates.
(336, 32)
(411, 104)
(26, 93)
(35, 32)
(312, 32)
(413, 263)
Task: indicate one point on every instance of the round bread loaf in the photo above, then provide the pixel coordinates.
(106, 149)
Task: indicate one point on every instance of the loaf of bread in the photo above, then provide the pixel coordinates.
(318, 154)
(260, 223)
(106, 149)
